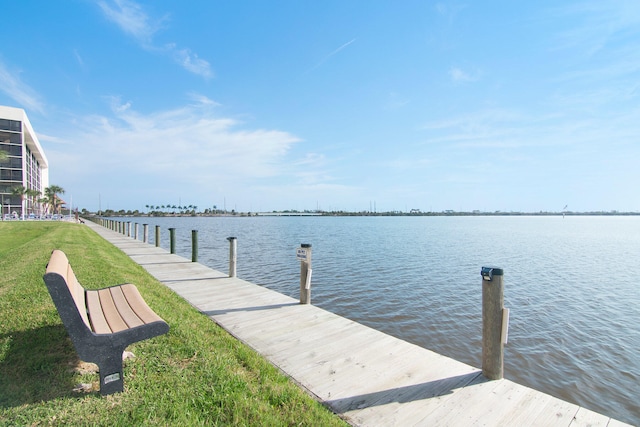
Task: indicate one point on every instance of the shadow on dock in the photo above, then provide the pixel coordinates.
(411, 393)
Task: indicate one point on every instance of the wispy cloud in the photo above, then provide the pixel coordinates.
(202, 99)
(188, 149)
(596, 23)
(131, 19)
(396, 101)
(15, 88)
(449, 9)
(190, 61)
(135, 22)
(458, 75)
(326, 58)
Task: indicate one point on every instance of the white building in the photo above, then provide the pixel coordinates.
(24, 165)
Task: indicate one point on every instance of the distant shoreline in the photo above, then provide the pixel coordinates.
(358, 214)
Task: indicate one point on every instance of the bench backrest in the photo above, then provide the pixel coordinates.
(59, 264)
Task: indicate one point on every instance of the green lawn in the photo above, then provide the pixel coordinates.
(197, 374)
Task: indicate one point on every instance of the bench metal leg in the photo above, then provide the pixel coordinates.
(111, 375)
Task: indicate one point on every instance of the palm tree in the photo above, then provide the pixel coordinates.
(20, 191)
(3, 155)
(52, 192)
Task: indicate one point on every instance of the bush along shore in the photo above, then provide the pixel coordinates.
(197, 374)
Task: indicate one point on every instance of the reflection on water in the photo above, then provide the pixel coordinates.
(571, 285)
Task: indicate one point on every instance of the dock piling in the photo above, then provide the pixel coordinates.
(157, 236)
(194, 245)
(493, 327)
(172, 240)
(304, 255)
(233, 247)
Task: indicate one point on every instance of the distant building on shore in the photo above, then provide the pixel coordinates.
(22, 163)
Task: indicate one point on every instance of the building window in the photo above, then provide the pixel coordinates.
(11, 125)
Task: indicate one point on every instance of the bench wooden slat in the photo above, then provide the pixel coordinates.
(124, 309)
(99, 324)
(110, 311)
(78, 294)
(58, 263)
(142, 310)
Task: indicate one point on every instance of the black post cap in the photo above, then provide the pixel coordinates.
(487, 273)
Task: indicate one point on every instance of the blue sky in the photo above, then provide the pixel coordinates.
(337, 105)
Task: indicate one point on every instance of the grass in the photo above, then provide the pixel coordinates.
(197, 374)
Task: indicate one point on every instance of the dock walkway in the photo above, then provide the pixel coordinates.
(366, 376)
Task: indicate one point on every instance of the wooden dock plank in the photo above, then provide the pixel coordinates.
(587, 418)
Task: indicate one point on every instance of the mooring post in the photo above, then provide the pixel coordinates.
(194, 245)
(233, 248)
(157, 236)
(128, 229)
(495, 322)
(304, 255)
(172, 240)
(135, 231)
(145, 233)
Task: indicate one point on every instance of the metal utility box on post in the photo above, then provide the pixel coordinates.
(495, 319)
(304, 255)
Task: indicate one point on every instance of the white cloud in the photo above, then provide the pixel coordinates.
(184, 146)
(134, 21)
(15, 88)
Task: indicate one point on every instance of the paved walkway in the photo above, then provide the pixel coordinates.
(366, 376)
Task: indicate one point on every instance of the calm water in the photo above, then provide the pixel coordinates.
(571, 285)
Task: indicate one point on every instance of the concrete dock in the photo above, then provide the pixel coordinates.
(367, 377)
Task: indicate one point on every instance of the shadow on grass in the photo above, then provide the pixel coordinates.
(36, 365)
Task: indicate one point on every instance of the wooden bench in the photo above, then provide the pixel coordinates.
(101, 323)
